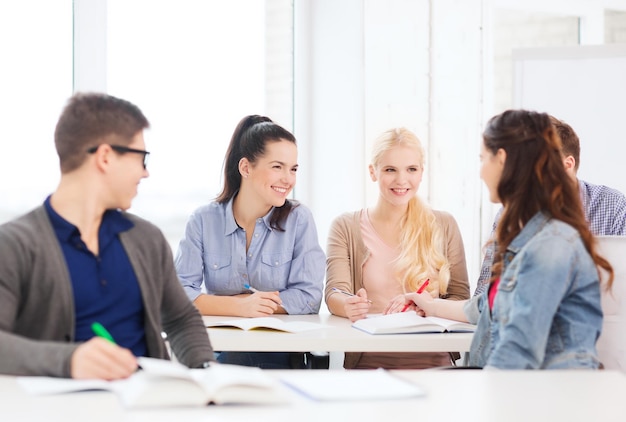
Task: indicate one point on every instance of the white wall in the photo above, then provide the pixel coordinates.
(328, 100)
(458, 104)
(372, 65)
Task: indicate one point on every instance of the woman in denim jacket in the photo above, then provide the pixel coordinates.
(542, 308)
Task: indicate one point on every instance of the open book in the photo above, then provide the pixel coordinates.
(162, 383)
(267, 323)
(410, 322)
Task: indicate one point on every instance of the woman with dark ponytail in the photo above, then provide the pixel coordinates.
(542, 309)
(255, 251)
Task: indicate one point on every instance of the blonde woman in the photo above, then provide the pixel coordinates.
(392, 248)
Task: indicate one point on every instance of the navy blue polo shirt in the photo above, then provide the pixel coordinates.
(105, 286)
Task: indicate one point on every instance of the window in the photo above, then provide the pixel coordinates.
(35, 82)
(195, 68)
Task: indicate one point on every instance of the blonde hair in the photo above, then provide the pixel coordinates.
(422, 250)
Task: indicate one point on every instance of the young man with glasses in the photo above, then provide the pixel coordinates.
(80, 259)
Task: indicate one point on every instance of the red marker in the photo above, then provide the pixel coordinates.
(420, 290)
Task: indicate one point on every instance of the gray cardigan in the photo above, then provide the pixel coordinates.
(37, 307)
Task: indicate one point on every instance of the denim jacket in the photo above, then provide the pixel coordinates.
(547, 313)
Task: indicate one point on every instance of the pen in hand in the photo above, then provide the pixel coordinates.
(249, 287)
(334, 289)
(420, 290)
(99, 330)
(276, 300)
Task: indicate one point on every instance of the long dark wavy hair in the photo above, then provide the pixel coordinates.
(534, 179)
(248, 141)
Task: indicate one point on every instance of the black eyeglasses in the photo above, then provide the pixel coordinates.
(122, 149)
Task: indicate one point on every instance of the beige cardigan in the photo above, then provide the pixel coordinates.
(346, 254)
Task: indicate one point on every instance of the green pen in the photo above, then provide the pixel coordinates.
(100, 331)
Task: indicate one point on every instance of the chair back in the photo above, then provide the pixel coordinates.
(612, 342)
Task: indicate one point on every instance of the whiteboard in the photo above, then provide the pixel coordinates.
(586, 87)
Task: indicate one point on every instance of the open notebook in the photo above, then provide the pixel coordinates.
(266, 323)
(410, 322)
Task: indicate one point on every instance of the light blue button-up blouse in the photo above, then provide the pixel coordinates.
(213, 253)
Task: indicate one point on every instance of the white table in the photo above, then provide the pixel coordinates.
(451, 395)
(337, 336)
